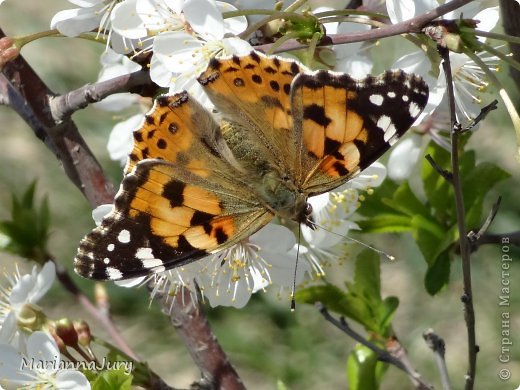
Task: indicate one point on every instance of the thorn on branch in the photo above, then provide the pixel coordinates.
(447, 175)
(473, 236)
(481, 116)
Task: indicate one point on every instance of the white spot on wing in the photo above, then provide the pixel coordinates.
(376, 99)
(405, 98)
(106, 260)
(414, 109)
(390, 94)
(390, 133)
(384, 122)
(144, 253)
(110, 247)
(113, 273)
(152, 263)
(159, 269)
(124, 236)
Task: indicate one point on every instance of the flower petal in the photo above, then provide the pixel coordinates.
(41, 346)
(121, 140)
(274, 236)
(209, 24)
(73, 380)
(12, 370)
(403, 157)
(99, 212)
(72, 22)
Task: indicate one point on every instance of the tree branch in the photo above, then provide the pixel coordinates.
(510, 11)
(63, 106)
(413, 25)
(467, 297)
(28, 95)
(188, 319)
(397, 358)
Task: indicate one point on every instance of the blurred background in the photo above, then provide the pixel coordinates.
(265, 341)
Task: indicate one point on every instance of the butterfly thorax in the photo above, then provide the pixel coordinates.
(283, 198)
(273, 185)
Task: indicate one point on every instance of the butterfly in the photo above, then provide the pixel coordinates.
(194, 186)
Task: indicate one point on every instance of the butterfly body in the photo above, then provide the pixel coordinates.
(193, 186)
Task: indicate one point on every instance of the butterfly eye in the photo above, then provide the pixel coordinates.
(308, 209)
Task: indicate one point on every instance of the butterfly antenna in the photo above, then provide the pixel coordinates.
(293, 300)
(388, 256)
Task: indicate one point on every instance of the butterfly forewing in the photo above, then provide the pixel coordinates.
(345, 124)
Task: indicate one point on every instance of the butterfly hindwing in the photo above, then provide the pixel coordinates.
(165, 216)
(344, 125)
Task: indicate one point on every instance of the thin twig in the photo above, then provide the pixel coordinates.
(475, 236)
(437, 345)
(467, 297)
(443, 172)
(482, 115)
(413, 25)
(398, 360)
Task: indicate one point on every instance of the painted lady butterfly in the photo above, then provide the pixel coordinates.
(193, 186)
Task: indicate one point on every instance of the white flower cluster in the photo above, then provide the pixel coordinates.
(30, 360)
(182, 35)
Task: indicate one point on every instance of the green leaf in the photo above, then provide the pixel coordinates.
(280, 385)
(475, 185)
(351, 305)
(386, 223)
(361, 368)
(385, 313)
(438, 273)
(328, 294)
(367, 280)
(113, 380)
(28, 196)
(28, 228)
(405, 202)
(372, 205)
(428, 244)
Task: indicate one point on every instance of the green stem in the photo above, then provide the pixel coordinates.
(279, 42)
(247, 12)
(23, 40)
(341, 12)
(312, 45)
(486, 34)
(272, 16)
(294, 6)
(511, 61)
